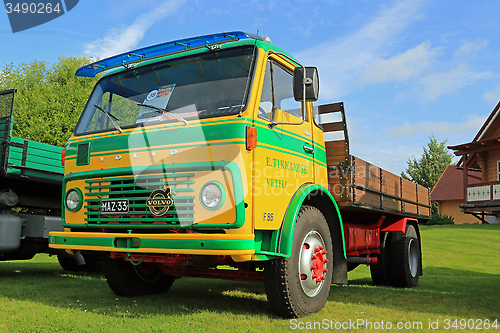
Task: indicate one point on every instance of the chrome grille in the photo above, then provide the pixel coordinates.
(137, 189)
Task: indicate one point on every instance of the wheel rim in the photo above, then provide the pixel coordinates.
(413, 257)
(312, 264)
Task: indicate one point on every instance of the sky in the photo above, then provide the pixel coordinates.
(406, 70)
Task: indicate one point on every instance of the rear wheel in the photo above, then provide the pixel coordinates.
(299, 285)
(406, 264)
(126, 279)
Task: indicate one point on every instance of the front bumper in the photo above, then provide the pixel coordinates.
(196, 244)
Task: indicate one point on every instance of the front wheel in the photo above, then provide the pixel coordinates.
(299, 285)
(126, 279)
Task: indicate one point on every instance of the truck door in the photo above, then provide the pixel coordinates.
(284, 157)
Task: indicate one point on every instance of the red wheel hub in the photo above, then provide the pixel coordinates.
(318, 265)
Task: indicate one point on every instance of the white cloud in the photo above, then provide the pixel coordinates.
(392, 157)
(401, 67)
(405, 141)
(342, 61)
(492, 96)
(471, 48)
(438, 84)
(433, 78)
(361, 58)
(427, 128)
(118, 41)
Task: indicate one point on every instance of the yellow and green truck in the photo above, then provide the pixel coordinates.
(205, 157)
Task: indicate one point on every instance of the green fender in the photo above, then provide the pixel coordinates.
(303, 195)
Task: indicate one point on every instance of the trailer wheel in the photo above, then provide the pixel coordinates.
(380, 272)
(126, 279)
(69, 264)
(93, 261)
(87, 262)
(406, 264)
(299, 285)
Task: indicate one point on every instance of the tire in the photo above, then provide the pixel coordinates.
(406, 263)
(93, 262)
(290, 287)
(89, 262)
(381, 271)
(128, 280)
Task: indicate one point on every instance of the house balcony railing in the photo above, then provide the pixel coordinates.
(483, 192)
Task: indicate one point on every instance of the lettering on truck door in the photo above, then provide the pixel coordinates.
(283, 160)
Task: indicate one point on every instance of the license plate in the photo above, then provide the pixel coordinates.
(114, 206)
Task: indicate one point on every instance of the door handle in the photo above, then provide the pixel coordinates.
(309, 150)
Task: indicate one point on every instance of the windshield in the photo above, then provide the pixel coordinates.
(201, 86)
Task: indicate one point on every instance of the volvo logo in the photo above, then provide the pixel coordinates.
(159, 202)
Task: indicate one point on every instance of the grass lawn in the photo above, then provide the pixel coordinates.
(461, 281)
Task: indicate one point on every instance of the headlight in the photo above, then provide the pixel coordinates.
(73, 200)
(212, 195)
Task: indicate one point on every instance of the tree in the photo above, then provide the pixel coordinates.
(49, 99)
(427, 170)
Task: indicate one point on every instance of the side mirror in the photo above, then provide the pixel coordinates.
(311, 83)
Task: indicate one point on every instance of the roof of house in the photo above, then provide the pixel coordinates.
(450, 185)
(490, 126)
(487, 135)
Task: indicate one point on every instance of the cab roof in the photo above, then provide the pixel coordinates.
(128, 59)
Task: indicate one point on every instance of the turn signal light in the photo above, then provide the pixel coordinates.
(251, 137)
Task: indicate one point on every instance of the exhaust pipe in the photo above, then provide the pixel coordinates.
(362, 260)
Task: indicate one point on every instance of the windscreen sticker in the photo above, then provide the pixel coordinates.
(158, 97)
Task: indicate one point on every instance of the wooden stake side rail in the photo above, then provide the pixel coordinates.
(354, 182)
(363, 185)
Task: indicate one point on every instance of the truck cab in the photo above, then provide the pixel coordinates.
(205, 157)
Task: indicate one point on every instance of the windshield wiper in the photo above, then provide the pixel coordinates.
(111, 117)
(160, 110)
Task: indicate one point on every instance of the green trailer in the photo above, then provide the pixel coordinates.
(31, 175)
(30, 170)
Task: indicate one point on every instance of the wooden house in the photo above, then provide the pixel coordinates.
(449, 194)
(482, 199)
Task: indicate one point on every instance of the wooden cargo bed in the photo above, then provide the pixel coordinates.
(361, 187)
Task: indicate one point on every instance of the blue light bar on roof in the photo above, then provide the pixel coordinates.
(162, 49)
